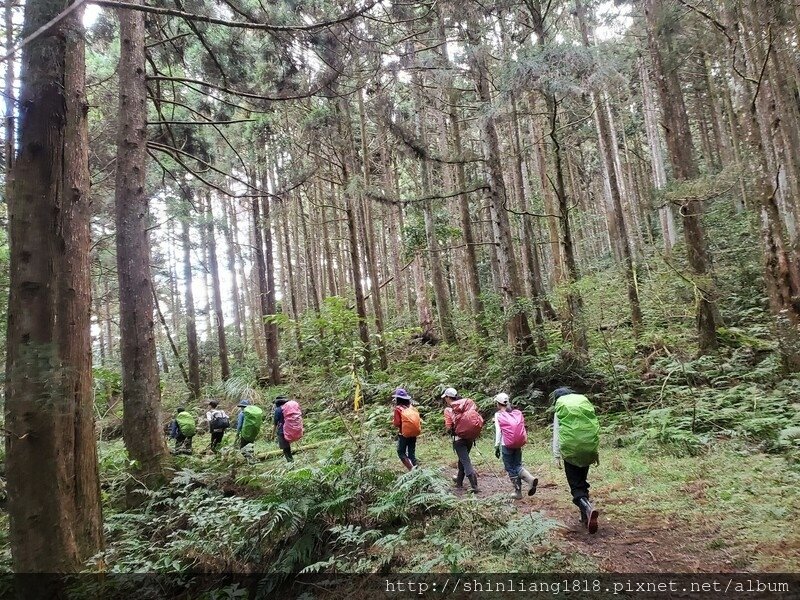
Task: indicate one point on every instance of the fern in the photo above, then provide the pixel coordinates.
(518, 535)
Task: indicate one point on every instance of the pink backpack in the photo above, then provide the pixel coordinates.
(292, 421)
(512, 428)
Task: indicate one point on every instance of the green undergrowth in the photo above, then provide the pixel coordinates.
(342, 507)
(348, 506)
(731, 499)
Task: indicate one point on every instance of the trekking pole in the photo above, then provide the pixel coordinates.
(493, 470)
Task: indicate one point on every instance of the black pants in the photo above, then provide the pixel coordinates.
(576, 477)
(407, 448)
(183, 444)
(285, 446)
(462, 449)
(216, 438)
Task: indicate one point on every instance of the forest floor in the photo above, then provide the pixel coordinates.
(729, 508)
(723, 511)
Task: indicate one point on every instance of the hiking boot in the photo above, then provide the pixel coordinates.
(589, 515)
(517, 488)
(458, 480)
(530, 480)
(407, 463)
(473, 482)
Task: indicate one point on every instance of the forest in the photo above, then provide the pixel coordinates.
(229, 220)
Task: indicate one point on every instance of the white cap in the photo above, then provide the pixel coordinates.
(502, 398)
(450, 393)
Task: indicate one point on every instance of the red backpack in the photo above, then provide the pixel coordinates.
(512, 428)
(468, 421)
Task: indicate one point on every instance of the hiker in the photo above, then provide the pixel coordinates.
(576, 440)
(463, 423)
(182, 430)
(218, 422)
(510, 436)
(292, 422)
(248, 422)
(407, 420)
(288, 421)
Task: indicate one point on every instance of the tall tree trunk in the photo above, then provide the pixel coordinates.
(348, 168)
(330, 259)
(75, 292)
(313, 291)
(368, 239)
(192, 351)
(517, 328)
(538, 135)
(141, 392)
(109, 332)
(51, 461)
(607, 151)
(175, 352)
(669, 230)
(679, 145)
(219, 317)
(528, 234)
(98, 316)
(231, 240)
(8, 96)
(440, 290)
(782, 270)
(265, 265)
(206, 361)
(573, 328)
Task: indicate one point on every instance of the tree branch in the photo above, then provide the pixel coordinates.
(235, 24)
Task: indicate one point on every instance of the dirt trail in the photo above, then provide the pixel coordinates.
(649, 543)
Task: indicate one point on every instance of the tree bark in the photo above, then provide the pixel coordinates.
(192, 351)
(679, 145)
(440, 290)
(573, 328)
(266, 283)
(348, 167)
(313, 287)
(141, 392)
(219, 317)
(669, 231)
(607, 150)
(231, 241)
(519, 333)
(368, 240)
(55, 516)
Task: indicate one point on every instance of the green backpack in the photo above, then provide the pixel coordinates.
(186, 424)
(578, 430)
(253, 417)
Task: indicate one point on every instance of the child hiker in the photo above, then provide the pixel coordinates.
(510, 436)
(463, 423)
(407, 420)
(576, 439)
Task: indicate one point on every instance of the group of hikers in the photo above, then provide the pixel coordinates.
(287, 421)
(576, 441)
(575, 436)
